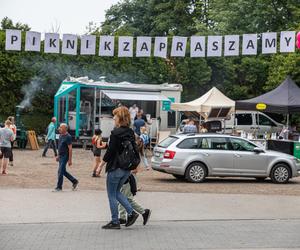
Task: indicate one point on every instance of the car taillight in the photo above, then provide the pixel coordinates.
(169, 154)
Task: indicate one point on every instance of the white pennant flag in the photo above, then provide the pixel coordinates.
(125, 46)
(197, 46)
(160, 47)
(178, 46)
(13, 40)
(51, 43)
(33, 41)
(143, 46)
(69, 46)
(232, 45)
(287, 41)
(88, 45)
(214, 46)
(249, 44)
(269, 43)
(107, 46)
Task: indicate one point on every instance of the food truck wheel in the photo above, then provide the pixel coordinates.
(280, 173)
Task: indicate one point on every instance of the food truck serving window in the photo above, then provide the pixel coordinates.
(135, 95)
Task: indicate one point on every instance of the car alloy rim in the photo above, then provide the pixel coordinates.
(197, 173)
(281, 174)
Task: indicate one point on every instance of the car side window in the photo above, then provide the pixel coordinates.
(264, 121)
(214, 143)
(241, 145)
(190, 143)
(244, 119)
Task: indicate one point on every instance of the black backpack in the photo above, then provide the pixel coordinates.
(129, 158)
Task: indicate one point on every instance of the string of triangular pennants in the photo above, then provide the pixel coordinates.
(199, 46)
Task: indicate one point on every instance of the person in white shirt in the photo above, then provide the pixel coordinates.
(133, 110)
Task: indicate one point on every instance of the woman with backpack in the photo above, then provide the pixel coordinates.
(121, 136)
(97, 146)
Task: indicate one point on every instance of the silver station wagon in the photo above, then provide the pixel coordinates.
(197, 156)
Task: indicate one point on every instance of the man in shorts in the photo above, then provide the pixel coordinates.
(6, 137)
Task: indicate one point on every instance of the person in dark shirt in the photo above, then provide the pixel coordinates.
(117, 176)
(138, 123)
(64, 157)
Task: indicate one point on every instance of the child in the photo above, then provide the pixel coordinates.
(97, 146)
(145, 141)
(129, 189)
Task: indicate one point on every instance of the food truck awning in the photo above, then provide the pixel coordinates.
(135, 95)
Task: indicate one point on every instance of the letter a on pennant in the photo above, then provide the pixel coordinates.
(197, 46)
(249, 44)
(143, 46)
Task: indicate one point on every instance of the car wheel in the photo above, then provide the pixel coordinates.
(179, 177)
(196, 172)
(280, 173)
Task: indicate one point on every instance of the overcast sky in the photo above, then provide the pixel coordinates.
(71, 16)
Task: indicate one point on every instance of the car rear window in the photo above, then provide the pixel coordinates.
(167, 142)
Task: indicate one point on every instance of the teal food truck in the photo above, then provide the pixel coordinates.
(86, 105)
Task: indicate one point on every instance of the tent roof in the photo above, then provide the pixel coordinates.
(283, 99)
(214, 98)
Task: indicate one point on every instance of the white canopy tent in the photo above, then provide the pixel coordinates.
(212, 104)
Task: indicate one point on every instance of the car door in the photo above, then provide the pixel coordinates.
(246, 162)
(215, 151)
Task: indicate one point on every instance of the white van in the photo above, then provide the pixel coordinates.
(251, 122)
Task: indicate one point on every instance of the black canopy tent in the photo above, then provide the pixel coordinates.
(285, 99)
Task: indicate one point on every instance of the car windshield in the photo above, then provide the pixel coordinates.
(241, 145)
(167, 142)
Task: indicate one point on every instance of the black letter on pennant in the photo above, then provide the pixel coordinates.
(13, 39)
(52, 43)
(231, 45)
(215, 45)
(198, 47)
(287, 41)
(106, 45)
(71, 43)
(250, 44)
(126, 46)
(179, 46)
(87, 44)
(144, 47)
(162, 46)
(270, 44)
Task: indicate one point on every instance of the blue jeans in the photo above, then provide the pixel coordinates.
(62, 171)
(114, 181)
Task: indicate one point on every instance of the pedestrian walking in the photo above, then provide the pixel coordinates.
(50, 138)
(6, 137)
(138, 123)
(116, 176)
(98, 144)
(129, 189)
(64, 157)
(145, 141)
(14, 130)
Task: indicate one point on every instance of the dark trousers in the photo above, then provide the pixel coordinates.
(48, 144)
(11, 158)
(62, 171)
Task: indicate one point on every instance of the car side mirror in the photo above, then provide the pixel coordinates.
(258, 150)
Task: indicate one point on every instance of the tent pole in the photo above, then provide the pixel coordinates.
(95, 107)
